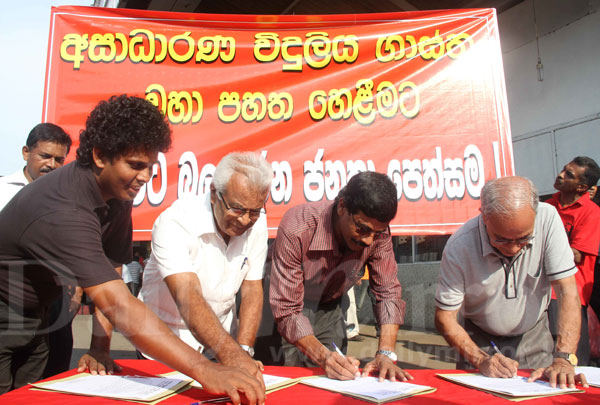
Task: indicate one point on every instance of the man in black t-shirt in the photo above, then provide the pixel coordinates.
(73, 226)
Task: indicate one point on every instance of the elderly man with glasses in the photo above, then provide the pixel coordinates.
(320, 252)
(497, 270)
(205, 249)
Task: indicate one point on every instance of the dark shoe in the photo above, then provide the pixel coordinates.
(357, 338)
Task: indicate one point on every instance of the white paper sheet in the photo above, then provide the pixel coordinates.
(181, 376)
(115, 386)
(367, 386)
(273, 380)
(592, 375)
(517, 386)
(270, 380)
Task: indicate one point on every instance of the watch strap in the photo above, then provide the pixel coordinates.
(391, 355)
(570, 357)
(248, 349)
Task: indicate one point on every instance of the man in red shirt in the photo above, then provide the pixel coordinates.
(320, 252)
(581, 218)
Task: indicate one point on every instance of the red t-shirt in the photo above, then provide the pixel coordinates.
(582, 224)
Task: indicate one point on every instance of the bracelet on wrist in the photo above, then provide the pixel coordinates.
(390, 354)
(248, 349)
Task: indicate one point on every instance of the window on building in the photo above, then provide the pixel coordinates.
(419, 248)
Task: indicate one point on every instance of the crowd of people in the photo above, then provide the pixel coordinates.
(514, 287)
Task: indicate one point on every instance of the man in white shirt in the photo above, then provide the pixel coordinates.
(204, 249)
(46, 148)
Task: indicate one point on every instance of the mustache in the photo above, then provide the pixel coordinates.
(360, 243)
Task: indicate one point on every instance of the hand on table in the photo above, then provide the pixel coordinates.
(500, 366)
(240, 359)
(340, 367)
(260, 365)
(560, 372)
(97, 363)
(240, 386)
(387, 369)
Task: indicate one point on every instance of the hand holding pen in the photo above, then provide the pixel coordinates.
(341, 367)
(498, 365)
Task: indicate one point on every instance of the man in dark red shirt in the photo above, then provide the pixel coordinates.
(320, 252)
(581, 218)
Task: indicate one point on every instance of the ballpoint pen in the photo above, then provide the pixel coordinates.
(212, 401)
(495, 347)
(337, 349)
(499, 352)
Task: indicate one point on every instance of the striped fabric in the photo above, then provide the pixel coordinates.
(309, 267)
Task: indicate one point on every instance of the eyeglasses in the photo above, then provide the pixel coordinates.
(364, 230)
(521, 241)
(240, 212)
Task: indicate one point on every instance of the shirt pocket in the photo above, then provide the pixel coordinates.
(532, 280)
(245, 266)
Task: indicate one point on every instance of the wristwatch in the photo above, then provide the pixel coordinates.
(570, 357)
(392, 356)
(248, 349)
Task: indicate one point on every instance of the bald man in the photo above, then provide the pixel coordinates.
(497, 271)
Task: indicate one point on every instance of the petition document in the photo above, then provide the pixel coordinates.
(115, 386)
(514, 387)
(369, 388)
(272, 382)
(181, 376)
(592, 375)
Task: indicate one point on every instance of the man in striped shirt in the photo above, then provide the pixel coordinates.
(320, 252)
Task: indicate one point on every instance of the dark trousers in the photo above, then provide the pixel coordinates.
(533, 349)
(583, 348)
(60, 336)
(134, 288)
(365, 290)
(23, 347)
(328, 325)
(595, 298)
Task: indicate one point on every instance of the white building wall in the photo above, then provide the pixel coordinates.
(558, 118)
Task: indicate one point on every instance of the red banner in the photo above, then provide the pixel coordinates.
(419, 96)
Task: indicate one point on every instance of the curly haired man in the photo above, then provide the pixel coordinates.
(74, 226)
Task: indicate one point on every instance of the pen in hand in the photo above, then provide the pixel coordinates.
(337, 349)
(495, 347)
(499, 352)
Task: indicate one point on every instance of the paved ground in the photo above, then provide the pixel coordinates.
(415, 349)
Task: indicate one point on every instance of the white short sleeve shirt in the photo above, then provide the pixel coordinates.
(185, 239)
(125, 274)
(10, 185)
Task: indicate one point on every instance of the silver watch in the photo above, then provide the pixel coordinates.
(248, 349)
(392, 356)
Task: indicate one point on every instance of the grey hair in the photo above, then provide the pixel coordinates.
(252, 165)
(503, 196)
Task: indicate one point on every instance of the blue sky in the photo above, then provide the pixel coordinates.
(24, 29)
